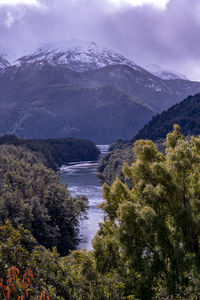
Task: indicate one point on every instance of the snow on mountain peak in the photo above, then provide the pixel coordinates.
(164, 74)
(78, 55)
(4, 63)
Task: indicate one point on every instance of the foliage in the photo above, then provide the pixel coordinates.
(186, 114)
(19, 248)
(74, 277)
(14, 286)
(86, 282)
(146, 248)
(55, 152)
(33, 196)
(189, 292)
(111, 164)
(150, 236)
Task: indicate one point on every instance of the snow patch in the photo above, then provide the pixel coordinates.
(164, 74)
(78, 55)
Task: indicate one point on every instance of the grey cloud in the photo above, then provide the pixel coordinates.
(145, 34)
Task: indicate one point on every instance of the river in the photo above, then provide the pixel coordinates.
(81, 179)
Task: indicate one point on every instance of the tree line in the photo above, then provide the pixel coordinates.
(56, 152)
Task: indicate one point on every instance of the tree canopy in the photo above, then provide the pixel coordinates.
(55, 152)
(33, 196)
(146, 248)
(150, 236)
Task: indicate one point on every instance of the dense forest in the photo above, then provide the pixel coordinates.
(111, 164)
(186, 114)
(56, 152)
(146, 248)
(31, 195)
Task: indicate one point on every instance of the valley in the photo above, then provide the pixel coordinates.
(137, 236)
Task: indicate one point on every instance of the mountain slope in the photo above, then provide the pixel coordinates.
(156, 93)
(43, 103)
(4, 63)
(99, 66)
(186, 114)
(163, 73)
(41, 100)
(78, 55)
(83, 90)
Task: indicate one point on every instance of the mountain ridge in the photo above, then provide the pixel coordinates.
(76, 52)
(45, 99)
(4, 63)
(78, 55)
(164, 73)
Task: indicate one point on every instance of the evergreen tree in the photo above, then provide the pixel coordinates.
(150, 236)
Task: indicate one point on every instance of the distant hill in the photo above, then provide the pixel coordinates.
(56, 152)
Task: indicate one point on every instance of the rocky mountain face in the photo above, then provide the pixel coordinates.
(3, 61)
(82, 90)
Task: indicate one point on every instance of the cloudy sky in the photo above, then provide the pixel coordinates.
(163, 32)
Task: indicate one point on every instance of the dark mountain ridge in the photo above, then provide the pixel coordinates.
(83, 92)
(186, 114)
(48, 101)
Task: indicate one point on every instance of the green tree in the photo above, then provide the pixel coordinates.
(150, 236)
(86, 282)
(74, 277)
(33, 196)
(19, 249)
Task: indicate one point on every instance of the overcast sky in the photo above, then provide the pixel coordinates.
(163, 32)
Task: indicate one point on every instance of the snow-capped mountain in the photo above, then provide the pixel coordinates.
(164, 74)
(83, 90)
(78, 55)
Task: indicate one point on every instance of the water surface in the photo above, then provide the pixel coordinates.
(81, 179)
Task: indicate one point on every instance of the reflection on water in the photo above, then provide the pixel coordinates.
(81, 179)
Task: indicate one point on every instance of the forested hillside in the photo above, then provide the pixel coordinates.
(186, 114)
(55, 152)
(146, 248)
